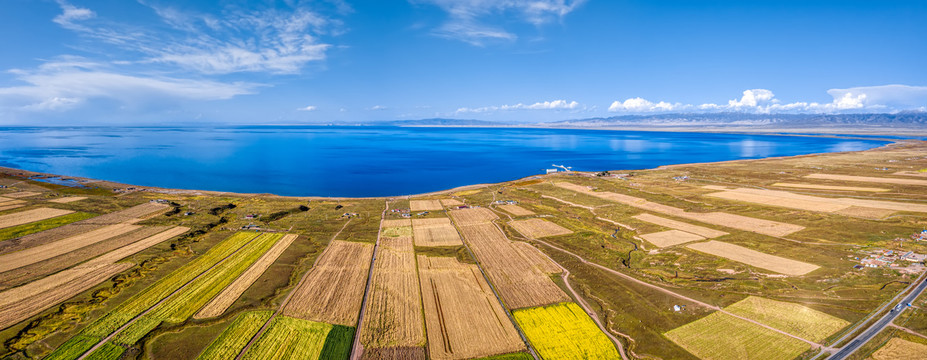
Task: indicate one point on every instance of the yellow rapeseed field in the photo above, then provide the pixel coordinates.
(564, 331)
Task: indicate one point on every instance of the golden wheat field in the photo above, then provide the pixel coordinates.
(435, 232)
(332, 290)
(393, 316)
(538, 228)
(754, 258)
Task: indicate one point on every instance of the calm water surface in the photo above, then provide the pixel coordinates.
(368, 161)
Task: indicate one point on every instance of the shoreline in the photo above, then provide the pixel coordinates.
(26, 175)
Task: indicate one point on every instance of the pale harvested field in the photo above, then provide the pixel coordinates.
(435, 232)
(865, 212)
(43, 252)
(332, 290)
(131, 214)
(137, 246)
(900, 349)
(42, 268)
(670, 237)
(472, 216)
(11, 205)
(813, 203)
(5, 201)
(463, 318)
(760, 226)
(912, 173)
(537, 258)
(21, 194)
(395, 223)
(425, 205)
(28, 216)
(538, 228)
(792, 318)
(679, 225)
(393, 316)
(20, 303)
(518, 280)
(516, 210)
(871, 179)
(716, 187)
(828, 187)
(451, 202)
(227, 297)
(65, 200)
(754, 258)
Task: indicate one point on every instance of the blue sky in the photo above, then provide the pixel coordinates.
(267, 62)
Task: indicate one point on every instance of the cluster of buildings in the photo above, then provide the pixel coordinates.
(905, 262)
(505, 202)
(349, 215)
(919, 236)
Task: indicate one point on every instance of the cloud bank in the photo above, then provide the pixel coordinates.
(468, 20)
(545, 105)
(884, 98)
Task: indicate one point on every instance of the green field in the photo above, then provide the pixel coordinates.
(564, 331)
(236, 336)
(723, 337)
(107, 352)
(290, 338)
(792, 318)
(34, 227)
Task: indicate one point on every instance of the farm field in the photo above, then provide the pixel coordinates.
(435, 232)
(68, 199)
(223, 300)
(28, 216)
(518, 281)
(43, 252)
(12, 204)
(21, 194)
(829, 187)
(792, 318)
(812, 203)
(564, 331)
(472, 216)
(451, 202)
(538, 228)
(900, 349)
(871, 179)
(234, 338)
(39, 226)
(389, 223)
(425, 205)
(463, 318)
(679, 225)
(290, 338)
(723, 337)
(393, 316)
(761, 226)
(516, 210)
(537, 258)
(332, 291)
(754, 258)
(670, 238)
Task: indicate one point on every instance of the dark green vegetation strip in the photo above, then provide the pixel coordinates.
(107, 352)
(73, 348)
(338, 343)
(31, 228)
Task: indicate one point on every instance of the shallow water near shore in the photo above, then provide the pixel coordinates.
(369, 161)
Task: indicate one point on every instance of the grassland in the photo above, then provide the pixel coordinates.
(792, 318)
(233, 340)
(564, 331)
(723, 337)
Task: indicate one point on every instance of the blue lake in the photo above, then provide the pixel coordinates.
(368, 161)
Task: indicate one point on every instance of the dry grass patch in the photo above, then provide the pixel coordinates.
(871, 179)
(395, 223)
(792, 318)
(435, 232)
(39, 253)
(719, 336)
(864, 212)
(754, 258)
(538, 228)
(516, 210)
(11, 205)
(425, 205)
(472, 216)
(393, 232)
(671, 237)
(393, 316)
(828, 187)
(679, 225)
(28, 216)
(716, 187)
(516, 277)
(20, 303)
(68, 199)
(332, 290)
(451, 202)
(760, 226)
(900, 349)
(463, 318)
(221, 302)
(21, 194)
(537, 258)
(912, 173)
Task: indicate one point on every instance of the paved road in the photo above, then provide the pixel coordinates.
(886, 320)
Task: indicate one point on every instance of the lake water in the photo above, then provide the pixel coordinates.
(368, 161)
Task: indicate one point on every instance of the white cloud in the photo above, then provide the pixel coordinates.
(64, 84)
(546, 105)
(70, 13)
(307, 108)
(467, 19)
(887, 98)
(378, 108)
